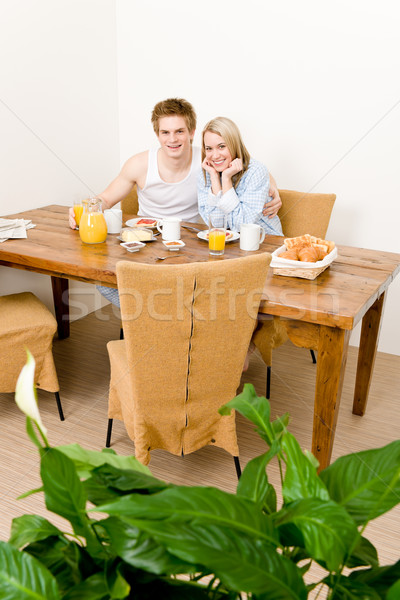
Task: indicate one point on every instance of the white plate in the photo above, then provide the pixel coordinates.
(135, 223)
(203, 236)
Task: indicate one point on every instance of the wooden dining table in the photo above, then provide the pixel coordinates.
(318, 314)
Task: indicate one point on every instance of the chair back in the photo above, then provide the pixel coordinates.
(302, 213)
(130, 204)
(187, 330)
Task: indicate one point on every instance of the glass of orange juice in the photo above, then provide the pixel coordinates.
(78, 210)
(216, 234)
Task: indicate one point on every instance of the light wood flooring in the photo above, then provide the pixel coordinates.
(83, 370)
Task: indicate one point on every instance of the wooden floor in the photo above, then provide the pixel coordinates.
(83, 370)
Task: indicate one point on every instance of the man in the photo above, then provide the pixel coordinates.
(166, 178)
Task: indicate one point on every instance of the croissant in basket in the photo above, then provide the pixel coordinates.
(306, 248)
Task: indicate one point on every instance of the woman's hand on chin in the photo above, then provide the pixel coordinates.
(209, 168)
(235, 167)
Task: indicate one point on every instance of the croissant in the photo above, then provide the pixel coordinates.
(321, 251)
(290, 254)
(308, 254)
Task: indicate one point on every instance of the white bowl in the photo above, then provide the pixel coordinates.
(133, 246)
(174, 244)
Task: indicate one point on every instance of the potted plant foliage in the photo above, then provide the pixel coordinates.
(135, 536)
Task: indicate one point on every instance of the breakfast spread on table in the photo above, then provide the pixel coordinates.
(306, 248)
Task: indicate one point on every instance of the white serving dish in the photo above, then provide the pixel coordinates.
(174, 244)
(133, 246)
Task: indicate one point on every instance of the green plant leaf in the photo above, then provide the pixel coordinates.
(254, 483)
(240, 561)
(196, 504)
(254, 408)
(346, 589)
(22, 577)
(394, 592)
(301, 478)
(380, 579)
(31, 528)
(93, 588)
(65, 495)
(365, 554)
(328, 531)
(30, 492)
(140, 550)
(86, 460)
(63, 558)
(64, 492)
(366, 483)
(107, 483)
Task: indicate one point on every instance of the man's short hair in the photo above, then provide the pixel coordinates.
(171, 107)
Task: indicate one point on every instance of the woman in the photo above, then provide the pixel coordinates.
(232, 182)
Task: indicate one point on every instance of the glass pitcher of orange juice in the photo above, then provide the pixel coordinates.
(92, 226)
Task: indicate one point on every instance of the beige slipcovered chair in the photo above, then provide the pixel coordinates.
(300, 213)
(187, 330)
(25, 322)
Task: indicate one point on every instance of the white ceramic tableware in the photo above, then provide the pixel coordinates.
(251, 236)
(170, 228)
(113, 217)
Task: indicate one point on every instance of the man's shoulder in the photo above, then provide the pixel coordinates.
(138, 159)
(136, 166)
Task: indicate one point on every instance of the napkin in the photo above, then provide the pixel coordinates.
(14, 228)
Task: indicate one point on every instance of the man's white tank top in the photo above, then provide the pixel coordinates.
(161, 199)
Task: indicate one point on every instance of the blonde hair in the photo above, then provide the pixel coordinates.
(171, 107)
(228, 130)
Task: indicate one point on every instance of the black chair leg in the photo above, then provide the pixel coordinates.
(60, 410)
(237, 465)
(268, 388)
(313, 357)
(121, 334)
(109, 430)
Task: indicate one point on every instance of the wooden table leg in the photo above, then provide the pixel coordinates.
(370, 329)
(332, 355)
(61, 305)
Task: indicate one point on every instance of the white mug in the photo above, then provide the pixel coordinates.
(251, 236)
(170, 227)
(113, 217)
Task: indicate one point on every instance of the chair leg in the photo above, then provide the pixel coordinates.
(60, 410)
(237, 465)
(109, 430)
(268, 388)
(121, 334)
(313, 357)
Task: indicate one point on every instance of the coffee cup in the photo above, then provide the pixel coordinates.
(170, 228)
(251, 236)
(113, 217)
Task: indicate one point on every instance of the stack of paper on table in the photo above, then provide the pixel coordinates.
(14, 228)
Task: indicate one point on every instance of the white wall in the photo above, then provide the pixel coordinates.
(58, 113)
(313, 86)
